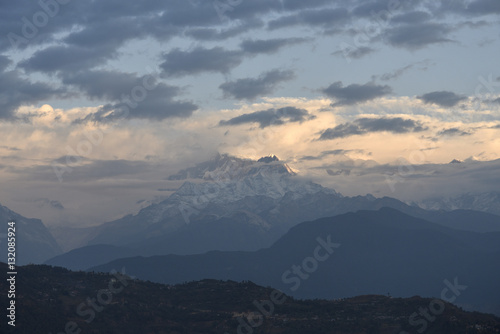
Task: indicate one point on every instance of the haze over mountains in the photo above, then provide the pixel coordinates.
(368, 252)
(35, 243)
(233, 204)
(229, 203)
(240, 219)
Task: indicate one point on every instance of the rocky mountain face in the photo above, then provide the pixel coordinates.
(34, 243)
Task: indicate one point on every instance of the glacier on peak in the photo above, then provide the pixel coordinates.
(228, 179)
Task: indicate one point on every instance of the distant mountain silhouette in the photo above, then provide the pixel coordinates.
(126, 305)
(380, 252)
(241, 204)
(34, 242)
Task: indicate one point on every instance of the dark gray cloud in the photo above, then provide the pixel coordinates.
(4, 62)
(370, 8)
(484, 7)
(67, 59)
(16, 91)
(367, 125)
(179, 63)
(421, 65)
(355, 93)
(132, 96)
(411, 17)
(417, 36)
(329, 153)
(270, 117)
(108, 85)
(250, 88)
(213, 34)
(395, 74)
(326, 18)
(453, 132)
(294, 5)
(158, 105)
(268, 46)
(442, 98)
(352, 52)
(112, 33)
(18, 30)
(241, 10)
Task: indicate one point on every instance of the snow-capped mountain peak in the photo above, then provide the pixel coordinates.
(224, 167)
(228, 179)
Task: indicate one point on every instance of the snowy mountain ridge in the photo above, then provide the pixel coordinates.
(486, 202)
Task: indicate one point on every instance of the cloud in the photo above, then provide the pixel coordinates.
(484, 7)
(250, 88)
(4, 62)
(325, 17)
(400, 71)
(268, 46)
(330, 152)
(350, 52)
(453, 132)
(9, 148)
(366, 125)
(110, 33)
(417, 36)
(442, 98)
(16, 91)
(178, 63)
(67, 58)
(220, 34)
(355, 93)
(411, 17)
(107, 84)
(293, 5)
(271, 117)
(158, 105)
(133, 96)
(95, 170)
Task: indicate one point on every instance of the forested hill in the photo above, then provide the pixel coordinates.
(55, 300)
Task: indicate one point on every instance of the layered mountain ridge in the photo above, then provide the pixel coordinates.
(234, 204)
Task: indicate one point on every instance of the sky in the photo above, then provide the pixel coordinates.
(100, 101)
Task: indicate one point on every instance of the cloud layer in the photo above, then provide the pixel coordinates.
(362, 126)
